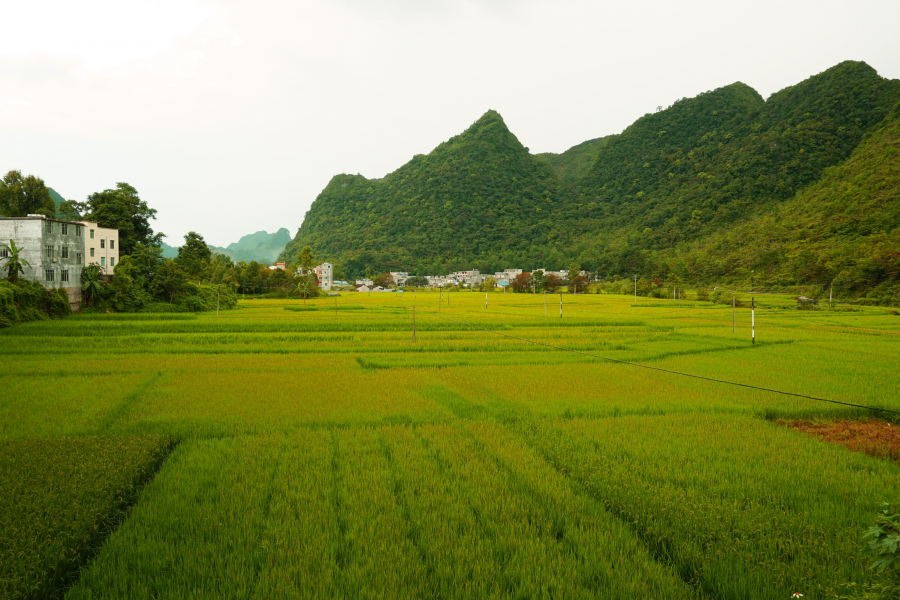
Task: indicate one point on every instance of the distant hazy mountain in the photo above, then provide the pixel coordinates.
(262, 246)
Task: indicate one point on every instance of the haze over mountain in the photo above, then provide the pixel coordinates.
(262, 247)
(629, 203)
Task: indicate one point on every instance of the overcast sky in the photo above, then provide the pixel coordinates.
(230, 116)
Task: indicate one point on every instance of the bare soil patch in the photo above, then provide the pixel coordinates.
(873, 437)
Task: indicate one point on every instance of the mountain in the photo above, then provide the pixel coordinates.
(262, 246)
(642, 201)
(479, 197)
(843, 230)
(575, 162)
(57, 198)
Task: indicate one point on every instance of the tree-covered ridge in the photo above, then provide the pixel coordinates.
(674, 178)
(574, 163)
(478, 197)
(844, 229)
(714, 159)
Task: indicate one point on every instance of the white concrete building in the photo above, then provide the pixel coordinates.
(53, 248)
(325, 275)
(101, 246)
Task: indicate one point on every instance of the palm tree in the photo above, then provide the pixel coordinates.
(90, 283)
(14, 264)
(307, 285)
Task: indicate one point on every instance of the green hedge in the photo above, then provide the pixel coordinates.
(29, 301)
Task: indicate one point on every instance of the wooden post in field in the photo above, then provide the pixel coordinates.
(831, 297)
(635, 287)
(545, 304)
(335, 307)
(752, 320)
(441, 299)
(732, 315)
(485, 299)
(414, 323)
(560, 305)
(217, 299)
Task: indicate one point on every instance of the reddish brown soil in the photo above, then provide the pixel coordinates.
(872, 437)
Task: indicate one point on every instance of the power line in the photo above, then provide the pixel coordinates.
(670, 371)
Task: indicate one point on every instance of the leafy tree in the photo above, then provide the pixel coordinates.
(23, 195)
(417, 281)
(552, 283)
(574, 271)
(538, 279)
(121, 208)
(169, 280)
(308, 286)
(69, 210)
(194, 256)
(385, 280)
(522, 283)
(91, 286)
(306, 259)
(15, 264)
(579, 284)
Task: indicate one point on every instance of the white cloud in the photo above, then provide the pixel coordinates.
(231, 116)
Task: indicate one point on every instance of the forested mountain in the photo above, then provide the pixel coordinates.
(478, 198)
(843, 231)
(574, 163)
(648, 200)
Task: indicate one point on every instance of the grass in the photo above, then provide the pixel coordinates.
(325, 453)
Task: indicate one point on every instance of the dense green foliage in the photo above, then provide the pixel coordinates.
(479, 197)
(323, 453)
(843, 231)
(22, 195)
(122, 208)
(29, 301)
(574, 163)
(60, 498)
(664, 188)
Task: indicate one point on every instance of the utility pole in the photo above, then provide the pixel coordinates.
(635, 287)
(732, 316)
(335, 307)
(485, 299)
(414, 323)
(441, 299)
(752, 320)
(560, 305)
(545, 304)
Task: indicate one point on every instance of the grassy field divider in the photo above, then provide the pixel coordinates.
(128, 401)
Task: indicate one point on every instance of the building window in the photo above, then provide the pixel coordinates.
(65, 229)
(92, 253)
(78, 231)
(49, 227)
(112, 261)
(4, 253)
(64, 275)
(102, 261)
(103, 243)
(48, 251)
(48, 274)
(112, 244)
(65, 252)
(92, 234)
(78, 257)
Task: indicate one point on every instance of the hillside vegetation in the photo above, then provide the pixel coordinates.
(651, 200)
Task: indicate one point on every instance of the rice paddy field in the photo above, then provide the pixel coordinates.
(292, 449)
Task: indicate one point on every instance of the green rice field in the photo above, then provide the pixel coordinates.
(292, 449)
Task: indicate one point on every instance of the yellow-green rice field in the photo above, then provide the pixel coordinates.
(292, 449)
